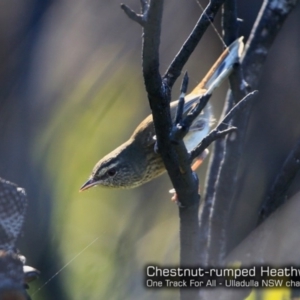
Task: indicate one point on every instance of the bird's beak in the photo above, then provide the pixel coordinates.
(90, 183)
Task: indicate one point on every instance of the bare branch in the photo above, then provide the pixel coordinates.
(192, 41)
(238, 108)
(144, 6)
(207, 204)
(213, 136)
(175, 157)
(194, 113)
(268, 24)
(230, 25)
(181, 101)
(217, 231)
(133, 15)
(150, 56)
(180, 130)
(230, 22)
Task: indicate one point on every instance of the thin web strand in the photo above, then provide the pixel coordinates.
(68, 263)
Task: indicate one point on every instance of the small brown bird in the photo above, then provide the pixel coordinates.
(135, 162)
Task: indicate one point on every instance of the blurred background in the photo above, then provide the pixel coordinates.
(71, 90)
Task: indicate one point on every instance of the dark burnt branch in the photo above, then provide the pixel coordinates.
(192, 41)
(238, 108)
(216, 135)
(209, 139)
(144, 5)
(181, 129)
(150, 59)
(194, 113)
(175, 157)
(276, 195)
(133, 15)
(270, 20)
(178, 132)
(230, 33)
(230, 25)
(181, 101)
(159, 99)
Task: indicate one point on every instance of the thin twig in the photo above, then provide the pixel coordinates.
(213, 136)
(240, 106)
(181, 101)
(181, 129)
(194, 113)
(133, 15)
(192, 41)
(220, 131)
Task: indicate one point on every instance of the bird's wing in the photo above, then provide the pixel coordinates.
(215, 76)
(221, 68)
(145, 132)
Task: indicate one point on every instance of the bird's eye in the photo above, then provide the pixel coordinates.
(112, 172)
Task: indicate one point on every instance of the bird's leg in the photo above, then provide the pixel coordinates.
(196, 164)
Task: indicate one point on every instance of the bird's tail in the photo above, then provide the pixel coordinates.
(221, 68)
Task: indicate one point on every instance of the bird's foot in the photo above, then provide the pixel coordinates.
(174, 197)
